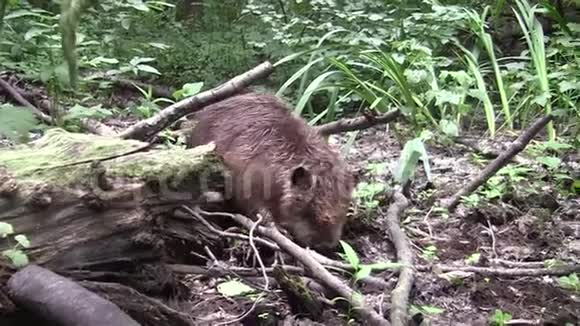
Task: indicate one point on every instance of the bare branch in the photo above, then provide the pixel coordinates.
(22, 101)
(359, 123)
(517, 146)
(400, 295)
(318, 271)
(147, 128)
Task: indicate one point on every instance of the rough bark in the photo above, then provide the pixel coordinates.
(60, 300)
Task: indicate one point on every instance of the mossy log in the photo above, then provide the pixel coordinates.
(101, 209)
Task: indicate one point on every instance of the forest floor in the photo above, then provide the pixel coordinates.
(531, 223)
(528, 224)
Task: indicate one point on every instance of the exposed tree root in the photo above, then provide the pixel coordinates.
(517, 146)
(400, 295)
(365, 313)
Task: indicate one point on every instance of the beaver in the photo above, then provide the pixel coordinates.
(280, 164)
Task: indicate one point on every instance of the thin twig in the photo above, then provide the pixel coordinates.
(400, 295)
(359, 123)
(491, 233)
(499, 271)
(197, 214)
(147, 128)
(517, 146)
(316, 270)
(264, 275)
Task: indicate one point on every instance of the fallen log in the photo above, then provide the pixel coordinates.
(62, 301)
(98, 208)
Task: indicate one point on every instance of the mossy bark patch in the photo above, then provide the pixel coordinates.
(48, 159)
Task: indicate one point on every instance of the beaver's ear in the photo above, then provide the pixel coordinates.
(301, 178)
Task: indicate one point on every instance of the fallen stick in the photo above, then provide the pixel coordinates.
(359, 123)
(517, 146)
(63, 301)
(22, 101)
(317, 271)
(91, 125)
(400, 295)
(145, 129)
(499, 271)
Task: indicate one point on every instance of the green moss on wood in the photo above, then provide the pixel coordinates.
(42, 161)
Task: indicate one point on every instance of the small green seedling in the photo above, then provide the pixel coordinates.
(499, 318)
(429, 253)
(16, 255)
(570, 282)
(362, 270)
(473, 258)
(234, 288)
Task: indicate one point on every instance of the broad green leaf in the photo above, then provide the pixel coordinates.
(551, 162)
(81, 112)
(17, 257)
(567, 85)
(449, 128)
(138, 4)
(189, 89)
(541, 99)
(5, 229)
(138, 60)
(350, 254)
(98, 60)
(22, 240)
(556, 146)
(363, 272)
(473, 258)
(148, 68)
(444, 96)
(16, 122)
(62, 74)
(161, 46)
(233, 288)
(33, 32)
(413, 151)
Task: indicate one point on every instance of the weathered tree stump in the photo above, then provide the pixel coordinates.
(100, 209)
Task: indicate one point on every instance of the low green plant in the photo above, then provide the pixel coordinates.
(413, 152)
(429, 253)
(15, 254)
(471, 200)
(361, 270)
(570, 282)
(499, 318)
(473, 258)
(505, 181)
(233, 288)
(16, 123)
